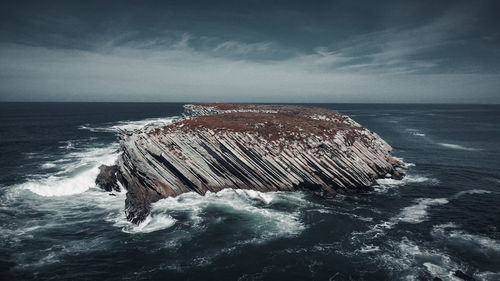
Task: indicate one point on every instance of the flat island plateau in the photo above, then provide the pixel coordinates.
(247, 146)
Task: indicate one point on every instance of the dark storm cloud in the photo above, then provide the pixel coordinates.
(324, 51)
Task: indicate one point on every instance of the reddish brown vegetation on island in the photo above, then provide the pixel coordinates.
(248, 146)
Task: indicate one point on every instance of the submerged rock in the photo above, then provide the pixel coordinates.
(107, 178)
(243, 146)
(460, 274)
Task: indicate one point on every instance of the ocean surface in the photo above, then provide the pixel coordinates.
(56, 225)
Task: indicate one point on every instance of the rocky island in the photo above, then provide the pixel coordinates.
(246, 146)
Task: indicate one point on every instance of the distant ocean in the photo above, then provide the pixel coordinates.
(56, 225)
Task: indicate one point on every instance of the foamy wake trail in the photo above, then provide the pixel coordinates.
(458, 147)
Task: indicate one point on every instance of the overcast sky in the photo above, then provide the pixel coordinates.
(251, 51)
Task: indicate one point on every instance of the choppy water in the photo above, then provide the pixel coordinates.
(444, 216)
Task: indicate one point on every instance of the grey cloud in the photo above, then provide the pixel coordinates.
(291, 51)
(182, 74)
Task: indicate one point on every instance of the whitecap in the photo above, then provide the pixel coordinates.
(458, 147)
(48, 165)
(369, 249)
(488, 275)
(443, 273)
(472, 191)
(418, 213)
(70, 144)
(385, 184)
(415, 132)
(451, 232)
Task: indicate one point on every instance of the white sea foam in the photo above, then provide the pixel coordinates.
(256, 195)
(350, 214)
(57, 252)
(151, 223)
(61, 186)
(77, 171)
(386, 184)
(369, 249)
(406, 258)
(265, 223)
(442, 272)
(414, 214)
(458, 147)
(415, 132)
(402, 161)
(130, 125)
(488, 275)
(74, 176)
(48, 165)
(450, 232)
(418, 213)
(69, 144)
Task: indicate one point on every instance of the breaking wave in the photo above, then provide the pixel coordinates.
(76, 173)
(253, 209)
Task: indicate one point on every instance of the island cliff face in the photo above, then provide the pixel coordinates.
(243, 146)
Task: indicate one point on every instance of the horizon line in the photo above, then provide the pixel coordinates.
(198, 102)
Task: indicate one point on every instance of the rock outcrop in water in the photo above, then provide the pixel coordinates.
(242, 146)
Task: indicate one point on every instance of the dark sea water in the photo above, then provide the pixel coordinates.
(56, 225)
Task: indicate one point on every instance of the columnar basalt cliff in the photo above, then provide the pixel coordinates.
(242, 146)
